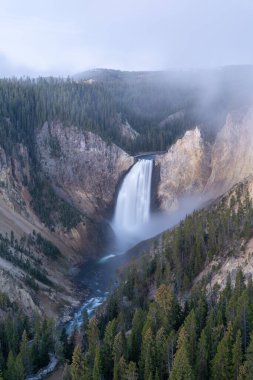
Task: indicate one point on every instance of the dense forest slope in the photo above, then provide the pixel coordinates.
(169, 318)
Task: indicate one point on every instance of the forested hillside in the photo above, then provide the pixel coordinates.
(27, 104)
(145, 100)
(25, 344)
(153, 328)
(163, 105)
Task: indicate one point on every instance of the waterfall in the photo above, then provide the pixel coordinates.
(133, 202)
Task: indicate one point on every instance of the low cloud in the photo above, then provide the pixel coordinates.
(10, 69)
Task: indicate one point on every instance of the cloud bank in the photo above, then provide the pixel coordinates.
(63, 37)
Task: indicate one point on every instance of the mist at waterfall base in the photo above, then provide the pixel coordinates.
(132, 223)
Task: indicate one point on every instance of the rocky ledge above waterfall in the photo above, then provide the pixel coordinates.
(83, 168)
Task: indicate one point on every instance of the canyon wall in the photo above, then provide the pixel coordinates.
(232, 153)
(84, 169)
(192, 167)
(184, 169)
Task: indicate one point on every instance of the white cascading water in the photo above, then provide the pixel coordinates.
(133, 203)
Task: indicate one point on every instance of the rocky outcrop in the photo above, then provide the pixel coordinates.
(83, 168)
(127, 131)
(18, 219)
(184, 169)
(191, 167)
(14, 175)
(232, 153)
(17, 292)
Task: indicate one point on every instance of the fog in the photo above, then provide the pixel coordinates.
(158, 222)
(61, 37)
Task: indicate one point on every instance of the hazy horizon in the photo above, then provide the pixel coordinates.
(65, 38)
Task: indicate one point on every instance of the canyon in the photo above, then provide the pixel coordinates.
(86, 172)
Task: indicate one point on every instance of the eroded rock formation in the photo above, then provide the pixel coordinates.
(184, 169)
(83, 169)
(232, 153)
(192, 167)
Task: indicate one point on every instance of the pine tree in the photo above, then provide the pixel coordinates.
(107, 348)
(25, 353)
(202, 357)
(131, 372)
(96, 374)
(222, 362)
(134, 342)
(119, 346)
(237, 355)
(246, 371)
(122, 368)
(161, 344)
(182, 369)
(93, 339)
(167, 305)
(19, 368)
(77, 369)
(157, 377)
(190, 328)
(147, 354)
(10, 372)
(239, 283)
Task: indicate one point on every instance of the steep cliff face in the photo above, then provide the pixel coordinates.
(191, 167)
(84, 171)
(22, 260)
(184, 169)
(232, 153)
(14, 174)
(81, 166)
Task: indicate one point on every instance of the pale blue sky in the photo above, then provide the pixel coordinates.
(65, 37)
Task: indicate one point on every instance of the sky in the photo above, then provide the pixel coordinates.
(63, 37)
